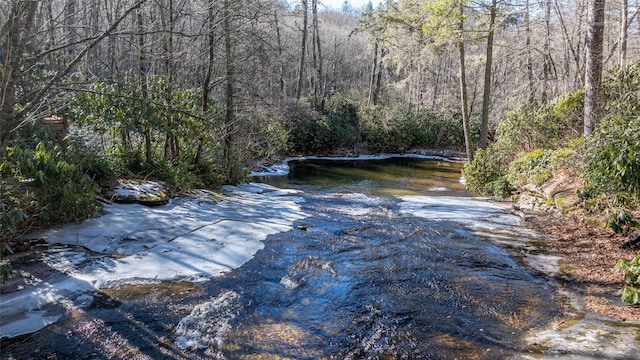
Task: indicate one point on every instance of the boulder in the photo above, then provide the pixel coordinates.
(562, 191)
(150, 193)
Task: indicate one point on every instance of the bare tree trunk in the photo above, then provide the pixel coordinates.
(437, 82)
(70, 25)
(486, 95)
(527, 24)
(546, 67)
(314, 55)
(229, 117)
(303, 48)
(142, 74)
(171, 147)
(319, 89)
(113, 64)
(280, 59)
(378, 88)
(575, 50)
(624, 33)
(92, 29)
(206, 86)
(464, 101)
(593, 66)
(335, 79)
(374, 68)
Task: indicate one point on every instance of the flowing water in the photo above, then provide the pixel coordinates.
(360, 278)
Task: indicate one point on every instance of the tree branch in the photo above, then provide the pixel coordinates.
(40, 94)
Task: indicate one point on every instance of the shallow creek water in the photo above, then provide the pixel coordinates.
(360, 278)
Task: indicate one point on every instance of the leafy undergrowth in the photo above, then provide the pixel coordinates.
(631, 269)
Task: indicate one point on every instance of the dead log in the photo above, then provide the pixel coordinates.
(631, 244)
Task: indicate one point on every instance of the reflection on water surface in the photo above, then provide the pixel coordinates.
(393, 176)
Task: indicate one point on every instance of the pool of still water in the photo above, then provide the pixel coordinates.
(391, 176)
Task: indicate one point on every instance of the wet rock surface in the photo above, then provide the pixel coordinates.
(355, 279)
(359, 276)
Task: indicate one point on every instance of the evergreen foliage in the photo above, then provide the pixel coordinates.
(383, 129)
(611, 166)
(132, 129)
(533, 167)
(10, 219)
(60, 179)
(631, 269)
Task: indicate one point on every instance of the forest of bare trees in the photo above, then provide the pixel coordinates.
(249, 58)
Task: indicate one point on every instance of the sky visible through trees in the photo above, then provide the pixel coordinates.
(356, 4)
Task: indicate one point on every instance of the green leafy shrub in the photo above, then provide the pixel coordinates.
(631, 269)
(312, 131)
(498, 188)
(622, 91)
(137, 128)
(448, 131)
(344, 110)
(611, 170)
(10, 219)
(489, 166)
(525, 131)
(565, 159)
(389, 130)
(267, 137)
(376, 129)
(612, 163)
(549, 126)
(307, 130)
(612, 152)
(59, 176)
(532, 167)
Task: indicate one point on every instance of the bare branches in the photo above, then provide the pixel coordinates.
(40, 94)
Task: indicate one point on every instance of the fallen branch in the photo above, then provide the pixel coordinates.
(631, 243)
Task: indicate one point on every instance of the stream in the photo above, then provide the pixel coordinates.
(393, 261)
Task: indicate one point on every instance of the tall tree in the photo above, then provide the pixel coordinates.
(280, 59)
(229, 113)
(318, 88)
(593, 66)
(546, 55)
(168, 19)
(624, 33)
(303, 48)
(208, 77)
(142, 78)
(464, 102)
(370, 22)
(486, 96)
(527, 29)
